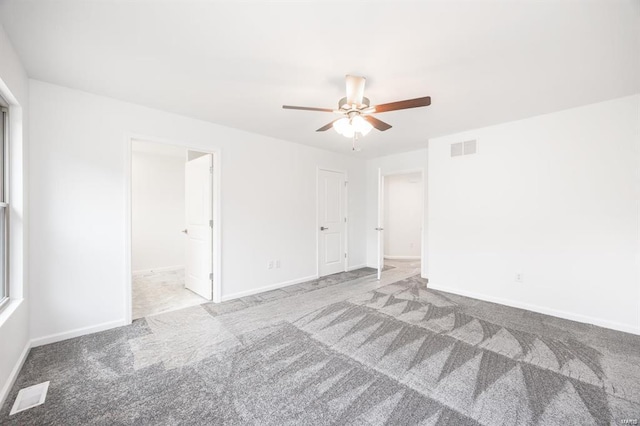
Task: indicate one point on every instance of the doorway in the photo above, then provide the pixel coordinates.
(332, 222)
(400, 220)
(172, 232)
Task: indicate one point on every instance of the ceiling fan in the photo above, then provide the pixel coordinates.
(356, 110)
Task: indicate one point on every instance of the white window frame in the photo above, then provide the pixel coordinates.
(4, 206)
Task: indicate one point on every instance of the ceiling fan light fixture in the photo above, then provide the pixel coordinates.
(348, 127)
(360, 125)
(341, 126)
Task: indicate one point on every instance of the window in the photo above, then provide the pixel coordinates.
(4, 205)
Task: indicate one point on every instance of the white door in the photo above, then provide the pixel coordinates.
(331, 221)
(199, 206)
(380, 228)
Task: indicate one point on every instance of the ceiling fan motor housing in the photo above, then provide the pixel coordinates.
(343, 105)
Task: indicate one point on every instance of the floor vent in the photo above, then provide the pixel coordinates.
(30, 397)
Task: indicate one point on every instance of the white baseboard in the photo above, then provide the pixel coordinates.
(280, 285)
(402, 257)
(542, 310)
(52, 338)
(4, 393)
(152, 270)
(267, 288)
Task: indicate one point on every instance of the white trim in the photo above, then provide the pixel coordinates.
(423, 238)
(345, 224)
(14, 374)
(217, 216)
(52, 338)
(402, 257)
(535, 308)
(268, 287)
(8, 310)
(128, 276)
(163, 269)
(424, 249)
(380, 226)
(217, 226)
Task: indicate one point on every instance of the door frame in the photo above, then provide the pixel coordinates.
(381, 205)
(345, 225)
(216, 211)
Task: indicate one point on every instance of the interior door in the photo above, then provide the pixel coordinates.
(199, 206)
(331, 221)
(380, 226)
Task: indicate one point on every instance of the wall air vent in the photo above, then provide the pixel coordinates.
(464, 148)
(469, 147)
(456, 149)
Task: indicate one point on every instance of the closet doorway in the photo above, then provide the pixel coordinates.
(400, 219)
(172, 227)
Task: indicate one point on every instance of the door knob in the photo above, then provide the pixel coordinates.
(322, 228)
(185, 231)
(379, 229)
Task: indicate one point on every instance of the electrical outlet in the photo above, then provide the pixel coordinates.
(270, 264)
(278, 263)
(518, 277)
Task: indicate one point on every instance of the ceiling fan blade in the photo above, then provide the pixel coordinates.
(378, 124)
(326, 126)
(409, 103)
(355, 89)
(307, 108)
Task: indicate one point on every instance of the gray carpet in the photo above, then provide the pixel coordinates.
(269, 296)
(346, 353)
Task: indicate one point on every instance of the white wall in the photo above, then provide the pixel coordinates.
(79, 195)
(403, 203)
(14, 319)
(157, 211)
(555, 198)
(413, 161)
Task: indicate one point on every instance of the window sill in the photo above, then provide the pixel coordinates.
(8, 310)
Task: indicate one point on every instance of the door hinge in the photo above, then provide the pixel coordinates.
(211, 170)
(345, 220)
(210, 223)
(345, 255)
(211, 276)
(345, 183)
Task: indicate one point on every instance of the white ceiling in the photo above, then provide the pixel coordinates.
(236, 62)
